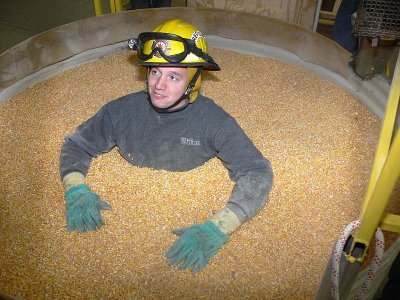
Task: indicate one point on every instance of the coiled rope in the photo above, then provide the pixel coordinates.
(337, 254)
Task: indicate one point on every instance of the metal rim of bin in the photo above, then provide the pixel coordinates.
(63, 47)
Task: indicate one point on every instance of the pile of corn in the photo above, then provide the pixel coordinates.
(321, 143)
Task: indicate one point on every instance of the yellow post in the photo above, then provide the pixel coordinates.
(115, 6)
(386, 134)
(375, 210)
(98, 7)
(118, 5)
(112, 6)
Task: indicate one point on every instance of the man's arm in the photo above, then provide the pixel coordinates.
(92, 138)
(248, 168)
(253, 178)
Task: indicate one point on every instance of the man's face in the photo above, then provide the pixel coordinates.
(166, 85)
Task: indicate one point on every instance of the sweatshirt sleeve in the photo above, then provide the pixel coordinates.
(91, 139)
(248, 168)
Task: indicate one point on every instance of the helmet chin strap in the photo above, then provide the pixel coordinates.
(185, 97)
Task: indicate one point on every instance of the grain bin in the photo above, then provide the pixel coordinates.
(280, 254)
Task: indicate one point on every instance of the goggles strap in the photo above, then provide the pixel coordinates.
(196, 50)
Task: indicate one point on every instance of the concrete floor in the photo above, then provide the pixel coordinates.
(22, 19)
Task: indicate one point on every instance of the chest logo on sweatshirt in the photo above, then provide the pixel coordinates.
(189, 142)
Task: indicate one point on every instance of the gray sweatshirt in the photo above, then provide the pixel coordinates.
(177, 141)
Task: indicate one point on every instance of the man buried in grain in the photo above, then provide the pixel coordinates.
(172, 127)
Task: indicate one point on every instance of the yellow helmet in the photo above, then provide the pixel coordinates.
(174, 43)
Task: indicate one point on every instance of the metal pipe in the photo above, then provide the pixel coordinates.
(316, 15)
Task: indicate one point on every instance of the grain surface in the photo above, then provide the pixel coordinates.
(320, 141)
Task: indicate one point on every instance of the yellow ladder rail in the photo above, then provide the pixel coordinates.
(386, 134)
(384, 176)
(375, 211)
(391, 223)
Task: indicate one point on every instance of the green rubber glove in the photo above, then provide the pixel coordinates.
(83, 209)
(196, 246)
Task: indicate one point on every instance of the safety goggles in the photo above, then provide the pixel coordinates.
(171, 47)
